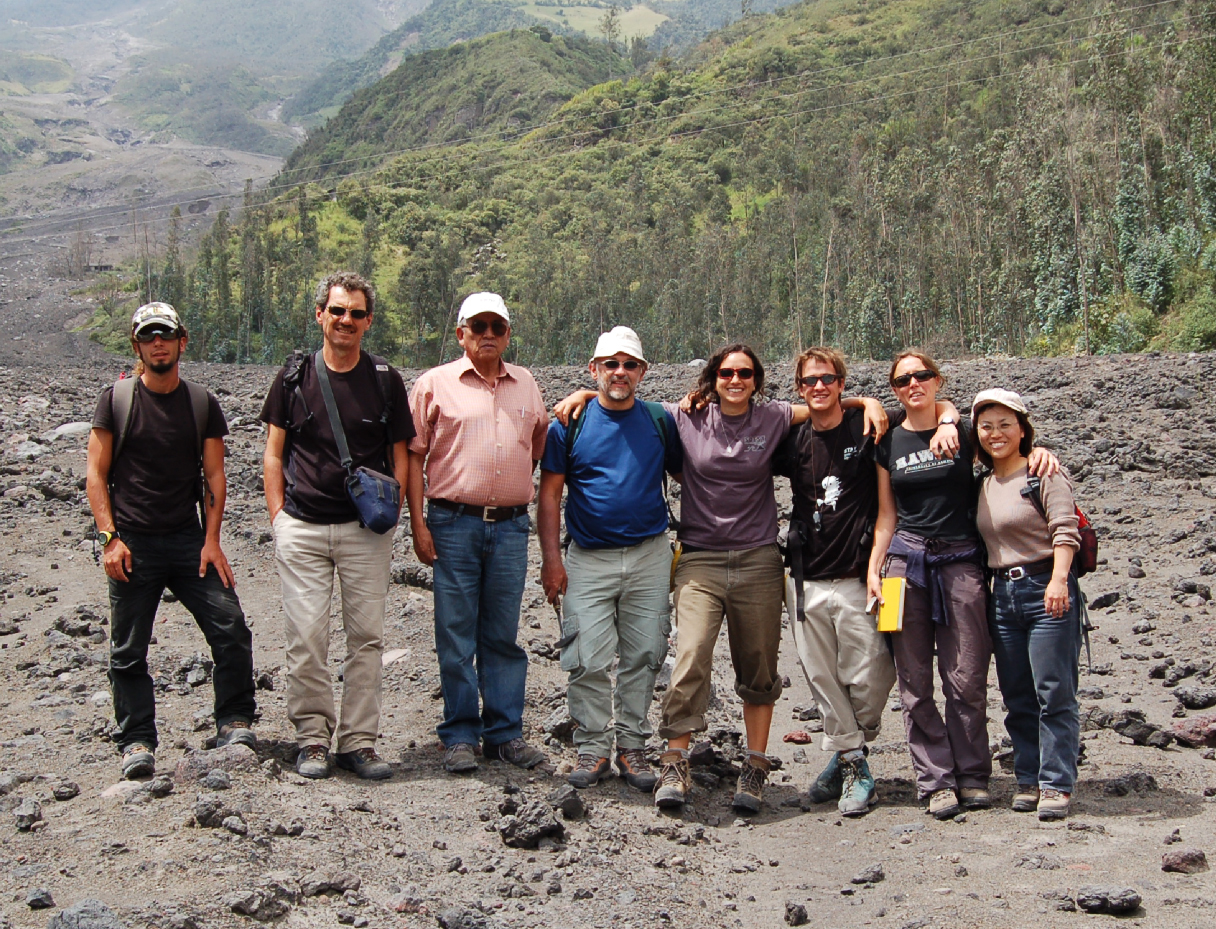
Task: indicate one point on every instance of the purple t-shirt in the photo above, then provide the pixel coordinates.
(727, 502)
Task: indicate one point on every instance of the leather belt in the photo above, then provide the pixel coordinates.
(488, 514)
(1017, 572)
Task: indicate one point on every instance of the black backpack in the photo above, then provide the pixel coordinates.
(293, 375)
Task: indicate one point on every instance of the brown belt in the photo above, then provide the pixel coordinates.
(1017, 572)
(489, 514)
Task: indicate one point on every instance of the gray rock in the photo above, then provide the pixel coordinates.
(1039, 862)
(160, 786)
(65, 791)
(217, 780)
(27, 812)
(1103, 601)
(569, 801)
(260, 903)
(1184, 861)
(39, 899)
(324, 882)
(210, 811)
(230, 758)
(1100, 899)
(235, 824)
(1136, 572)
(87, 914)
(459, 917)
(796, 914)
(413, 575)
(1196, 696)
(1061, 900)
(870, 875)
(533, 822)
(1140, 782)
(559, 725)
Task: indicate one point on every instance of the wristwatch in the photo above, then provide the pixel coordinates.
(947, 420)
(105, 538)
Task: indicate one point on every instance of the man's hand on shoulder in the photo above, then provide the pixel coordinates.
(212, 554)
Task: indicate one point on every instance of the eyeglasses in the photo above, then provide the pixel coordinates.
(612, 364)
(744, 374)
(479, 327)
(812, 379)
(341, 311)
(150, 333)
(919, 376)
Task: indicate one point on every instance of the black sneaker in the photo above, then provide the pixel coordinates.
(590, 771)
(236, 732)
(313, 761)
(516, 752)
(138, 761)
(632, 765)
(365, 763)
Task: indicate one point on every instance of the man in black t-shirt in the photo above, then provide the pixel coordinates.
(150, 462)
(317, 528)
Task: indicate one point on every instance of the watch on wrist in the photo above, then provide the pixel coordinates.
(947, 420)
(105, 538)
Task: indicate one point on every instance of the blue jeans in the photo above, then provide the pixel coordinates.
(1037, 661)
(157, 562)
(480, 569)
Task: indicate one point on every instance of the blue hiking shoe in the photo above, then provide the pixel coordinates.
(858, 790)
(828, 785)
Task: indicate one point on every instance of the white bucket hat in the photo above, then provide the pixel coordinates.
(621, 339)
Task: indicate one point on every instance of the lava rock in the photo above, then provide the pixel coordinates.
(1095, 899)
(324, 882)
(1131, 724)
(217, 780)
(533, 822)
(1196, 731)
(66, 791)
(569, 801)
(160, 786)
(230, 758)
(210, 811)
(235, 824)
(795, 914)
(1140, 782)
(1103, 601)
(459, 917)
(87, 914)
(1060, 900)
(1196, 696)
(871, 875)
(27, 812)
(39, 899)
(559, 725)
(1184, 861)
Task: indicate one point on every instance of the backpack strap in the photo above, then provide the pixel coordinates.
(200, 405)
(384, 387)
(122, 400)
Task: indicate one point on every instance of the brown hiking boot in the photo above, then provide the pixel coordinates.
(675, 781)
(751, 783)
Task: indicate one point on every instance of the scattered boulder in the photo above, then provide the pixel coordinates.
(569, 801)
(459, 917)
(160, 786)
(1131, 724)
(1114, 900)
(1195, 731)
(1102, 601)
(26, 813)
(1060, 900)
(796, 914)
(39, 899)
(210, 811)
(272, 898)
(525, 829)
(413, 575)
(324, 882)
(217, 780)
(871, 875)
(1140, 782)
(230, 758)
(65, 791)
(87, 914)
(1196, 696)
(1184, 861)
(560, 725)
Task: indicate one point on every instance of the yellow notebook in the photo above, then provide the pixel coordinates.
(891, 613)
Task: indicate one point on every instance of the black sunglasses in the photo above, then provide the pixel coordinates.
(919, 376)
(479, 326)
(812, 379)
(151, 332)
(341, 311)
(745, 374)
(612, 364)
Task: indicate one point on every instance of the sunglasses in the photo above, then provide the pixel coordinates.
(612, 364)
(479, 327)
(812, 379)
(919, 376)
(745, 374)
(341, 311)
(149, 334)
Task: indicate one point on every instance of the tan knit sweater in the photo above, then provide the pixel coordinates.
(1012, 528)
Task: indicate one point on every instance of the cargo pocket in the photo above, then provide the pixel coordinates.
(570, 659)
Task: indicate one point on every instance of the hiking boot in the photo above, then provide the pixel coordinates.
(590, 771)
(516, 752)
(138, 761)
(365, 763)
(1026, 799)
(313, 761)
(829, 784)
(974, 798)
(460, 758)
(750, 788)
(236, 732)
(943, 804)
(632, 765)
(858, 790)
(675, 781)
(1053, 804)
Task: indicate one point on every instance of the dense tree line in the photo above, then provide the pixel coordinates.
(974, 178)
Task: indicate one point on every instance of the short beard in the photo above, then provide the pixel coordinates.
(163, 367)
(607, 388)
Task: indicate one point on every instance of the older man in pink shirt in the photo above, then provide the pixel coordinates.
(481, 430)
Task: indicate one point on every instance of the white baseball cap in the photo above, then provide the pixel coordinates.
(621, 339)
(484, 302)
(998, 395)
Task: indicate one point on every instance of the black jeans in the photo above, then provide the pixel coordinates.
(157, 562)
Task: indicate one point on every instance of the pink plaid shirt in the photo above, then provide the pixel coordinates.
(480, 439)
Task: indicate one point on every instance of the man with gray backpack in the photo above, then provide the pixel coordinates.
(338, 429)
(156, 455)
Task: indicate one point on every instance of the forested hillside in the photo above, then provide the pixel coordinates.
(971, 176)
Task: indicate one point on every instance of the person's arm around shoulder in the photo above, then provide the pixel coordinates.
(884, 530)
(570, 407)
(116, 556)
(215, 495)
(875, 421)
(1061, 509)
(945, 442)
(548, 529)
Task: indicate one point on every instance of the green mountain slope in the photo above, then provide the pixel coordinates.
(499, 83)
(968, 176)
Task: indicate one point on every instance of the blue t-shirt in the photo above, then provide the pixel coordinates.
(614, 484)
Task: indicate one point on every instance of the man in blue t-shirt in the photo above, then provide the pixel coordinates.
(618, 562)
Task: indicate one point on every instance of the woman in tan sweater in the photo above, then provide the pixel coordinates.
(1036, 629)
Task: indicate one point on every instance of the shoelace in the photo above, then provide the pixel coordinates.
(671, 776)
(634, 759)
(752, 779)
(588, 762)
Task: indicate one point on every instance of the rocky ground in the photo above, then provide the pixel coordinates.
(225, 838)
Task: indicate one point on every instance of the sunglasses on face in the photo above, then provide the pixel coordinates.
(812, 379)
(341, 311)
(919, 376)
(149, 335)
(744, 374)
(612, 364)
(479, 327)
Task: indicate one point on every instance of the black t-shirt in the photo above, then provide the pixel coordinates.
(154, 483)
(833, 471)
(934, 497)
(316, 480)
